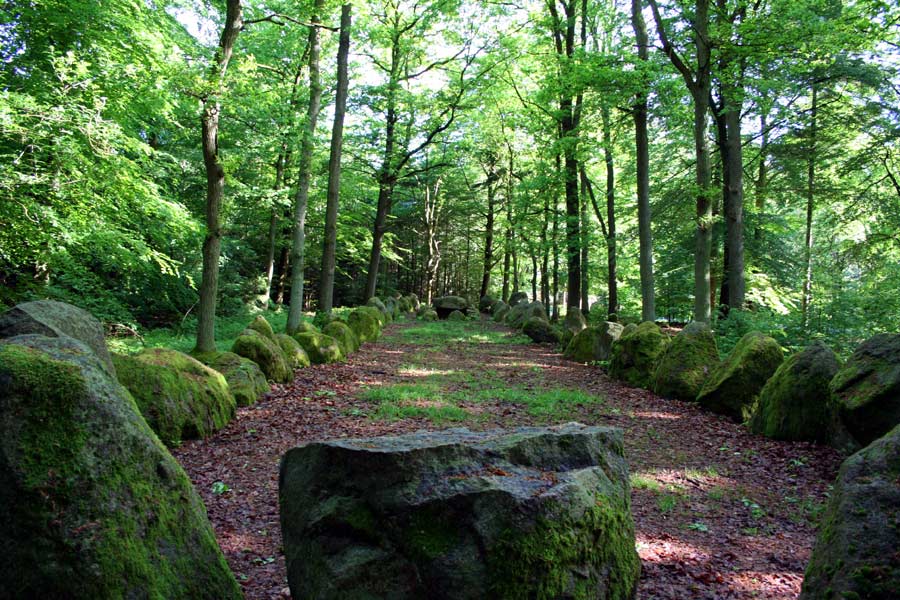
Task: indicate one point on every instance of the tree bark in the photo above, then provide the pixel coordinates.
(329, 247)
(642, 164)
(806, 299)
(488, 239)
(301, 199)
(215, 181)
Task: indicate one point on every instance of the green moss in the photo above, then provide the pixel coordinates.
(91, 504)
(376, 303)
(366, 323)
(246, 381)
(305, 327)
(178, 396)
(322, 349)
(430, 534)
(686, 363)
(540, 331)
(261, 326)
(456, 316)
(593, 343)
(345, 337)
(538, 564)
(265, 353)
(635, 355)
(732, 387)
(293, 351)
(794, 404)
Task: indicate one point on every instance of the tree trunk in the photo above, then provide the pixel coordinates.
(545, 249)
(762, 175)
(642, 164)
(488, 241)
(329, 247)
(215, 182)
(734, 208)
(806, 300)
(611, 240)
(301, 199)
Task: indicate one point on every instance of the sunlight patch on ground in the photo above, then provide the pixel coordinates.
(419, 371)
(651, 414)
(667, 550)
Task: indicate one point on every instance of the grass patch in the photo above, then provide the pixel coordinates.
(548, 403)
(413, 401)
(642, 482)
(437, 333)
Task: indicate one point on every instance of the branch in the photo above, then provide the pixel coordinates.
(272, 19)
(667, 48)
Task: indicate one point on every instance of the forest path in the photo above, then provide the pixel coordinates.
(719, 513)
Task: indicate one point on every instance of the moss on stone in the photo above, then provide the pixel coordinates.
(732, 387)
(794, 404)
(366, 323)
(386, 314)
(866, 390)
(293, 351)
(304, 327)
(322, 349)
(456, 315)
(261, 326)
(429, 314)
(686, 363)
(345, 337)
(634, 356)
(593, 343)
(180, 397)
(500, 312)
(246, 381)
(265, 353)
(540, 331)
(91, 504)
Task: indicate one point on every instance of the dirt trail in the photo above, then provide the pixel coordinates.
(719, 513)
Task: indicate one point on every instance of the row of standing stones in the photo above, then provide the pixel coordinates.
(92, 504)
(810, 396)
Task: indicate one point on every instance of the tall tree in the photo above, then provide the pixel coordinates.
(301, 198)
(326, 282)
(698, 82)
(215, 179)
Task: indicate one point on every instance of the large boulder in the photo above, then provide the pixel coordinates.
(521, 312)
(322, 349)
(55, 319)
(429, 314)
(574, 321)
(262, 327)
(526, 513)
(393, 307)
(732, 387)
(386, 315)
(540, 331)
(456, 316)
(246, 381)
(345, 337)
(593, 343)
(304, 327)
(445, 305)
(687, 363)
(486, 303)
(501, 309)
(866, 390)
(794, 404)
(517, 298)
(855, 554)
(92, 505)
(634, 356)
(265, 353)
(180, 397)
(365, 322)
(294, 353)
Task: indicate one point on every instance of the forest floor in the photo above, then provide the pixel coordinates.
(719, 513)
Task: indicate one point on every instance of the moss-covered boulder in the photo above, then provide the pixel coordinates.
(486, 303)
(521, 312)
(794, 404)
(593, 343)
(305, 327)
(262, 327)
(246, 381)
(517, 298)
(866, 390)
(376, 303)
(92, 505)
(629, 328)
(634, 356)
(392, 307)
(54, 319)
(456, 315)
(294, 353)
(855, 554)
(322, 349)
(365, 323)
(180, 397)
(429, 314)
(445, 305)
(500, 311)
(506, 515)
(732, 387)
(265, 353)
(574, 321)
(686, 363)
(405, 305)
(540, 331)
(345, 337)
